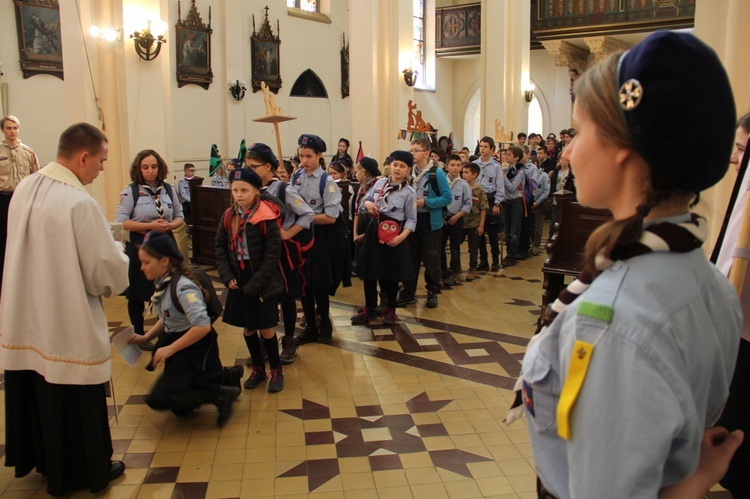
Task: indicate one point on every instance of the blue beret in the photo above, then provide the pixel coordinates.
(162, 243)
(312, 142)
(673, 89)
(404, 157)
(264, 153)
(370, 165)
(246, 175)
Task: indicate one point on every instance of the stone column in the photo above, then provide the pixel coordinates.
(504, 61)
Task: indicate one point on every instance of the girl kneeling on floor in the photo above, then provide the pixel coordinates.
(385, 257)
(248, 247)
(193, 374)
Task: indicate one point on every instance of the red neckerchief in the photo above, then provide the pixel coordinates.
(236, 242)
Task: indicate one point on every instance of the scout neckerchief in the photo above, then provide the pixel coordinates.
(418, 176)
(453, 182)
(156, 297)
(664, 236)
(386, 190)
(156, 194)
(361, 193)
(236, 243)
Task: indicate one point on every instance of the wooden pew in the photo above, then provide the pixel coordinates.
(565, 251)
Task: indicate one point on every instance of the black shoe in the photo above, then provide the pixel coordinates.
(308, 335)
(495, 266)
(404, 300)
(509, 262)
(276, 380)
(116, 469)
(325, 331)
(147, 347)
(233, 376)
(432, 300)
(225, 397)
(483, 267)
(257, 376)
(288, 350)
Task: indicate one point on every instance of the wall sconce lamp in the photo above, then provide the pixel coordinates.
(237, 89)
(410, 76)
(528, 94)
(106, 34)
(147, 43)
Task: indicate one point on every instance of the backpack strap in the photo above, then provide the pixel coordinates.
(433, 180)
(323, 180)
(282, 192)
(173, 292)
(135, 192)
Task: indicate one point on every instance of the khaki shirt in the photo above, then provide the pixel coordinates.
(16, 163)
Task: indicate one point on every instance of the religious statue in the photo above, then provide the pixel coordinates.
(271, 108)
(500, 135)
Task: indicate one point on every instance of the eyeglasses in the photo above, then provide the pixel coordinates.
(256, 166)
(415, 151)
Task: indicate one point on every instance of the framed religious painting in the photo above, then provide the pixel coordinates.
(264, 50)
(193, 43)
(39, 40)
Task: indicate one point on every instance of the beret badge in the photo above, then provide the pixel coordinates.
(631, 93)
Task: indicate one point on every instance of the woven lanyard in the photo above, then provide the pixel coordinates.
(157, 198)
(579, 366)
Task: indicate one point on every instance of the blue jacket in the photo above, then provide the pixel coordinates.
(435, 201)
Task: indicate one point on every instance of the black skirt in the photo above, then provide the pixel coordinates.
(329, 261)
(380, 261)
(139, 288)
(736, 415)
(249, 312)
(292, 262)
(61, 430)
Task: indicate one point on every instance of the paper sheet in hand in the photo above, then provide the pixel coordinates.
(128, 351)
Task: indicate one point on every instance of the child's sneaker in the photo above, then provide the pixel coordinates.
(257, 377)
(471, 274)
(362, 315)
(276, 380)
(389, 317)
(288, 350)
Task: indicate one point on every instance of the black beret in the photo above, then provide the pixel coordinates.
(403, 156)
(263, 152)
(247, 175)
(370, 165)
(312, 142)
(162, 244)
(673, 89)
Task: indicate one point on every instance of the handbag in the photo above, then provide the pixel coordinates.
(388, 230)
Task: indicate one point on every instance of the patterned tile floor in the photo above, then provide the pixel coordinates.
(412, 410)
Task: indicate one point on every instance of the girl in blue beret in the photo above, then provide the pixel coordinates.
(634, 359)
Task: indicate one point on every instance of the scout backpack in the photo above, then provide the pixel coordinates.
(213, 305)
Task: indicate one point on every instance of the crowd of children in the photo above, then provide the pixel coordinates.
(285, 239)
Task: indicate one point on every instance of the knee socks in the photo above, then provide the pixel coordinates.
(272, 349)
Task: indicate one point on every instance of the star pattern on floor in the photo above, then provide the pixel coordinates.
(382, 438)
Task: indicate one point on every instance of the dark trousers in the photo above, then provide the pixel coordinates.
(390, 288)
(289, 313)
(537, 223)
(186, 213)
(455, 234)
(316, 298)
(524, 236)
(135, 313)
(4, 204)
(474, 239)
(512, 214)
(424, 244)
(492, 227)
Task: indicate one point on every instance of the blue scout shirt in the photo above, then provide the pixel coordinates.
(666, 329)
(400, 204)
(297, 210)
(183, 190)
(514, 185)
(145, 209)
(461, 197)
(542, 187)
(491, 180)
(191, 299)
(308, 186)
